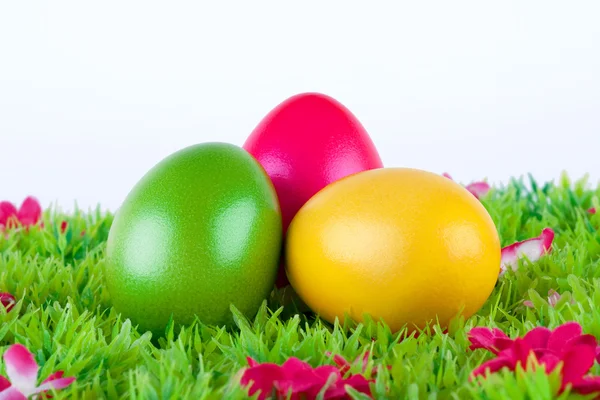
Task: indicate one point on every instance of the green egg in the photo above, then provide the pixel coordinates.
(199, 232)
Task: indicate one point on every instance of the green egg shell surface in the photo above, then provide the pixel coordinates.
(200, 231)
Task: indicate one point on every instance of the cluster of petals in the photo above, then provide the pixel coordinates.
(533, 249)
(565, 346)
(22, 371)
(28, 214)
(477, 189)
(296, 379)
(553, 298)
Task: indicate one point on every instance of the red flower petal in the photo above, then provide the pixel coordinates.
(550, 360)
(323, 375)
(565, 345)
(521, 350)
(7, 300)
(538, 337)
(586, 340)
(587, 385)
(56, 375)
(7, 210)
(493, 365)
(4, 383)
(493, 340)
(562, 335)
(533, 249)
(299, 377)
(342, 364)
(251, 362)
(30, 211)
(21, 367)
(63, 226)
(577, 361)
(293, 365)
(478, 189)
(325, 371)
(261, 378)
(52, 377)
(592, 210)
(338, 391)
(518, 353)
(358, 383)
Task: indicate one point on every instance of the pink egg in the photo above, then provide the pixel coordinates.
(307, 142)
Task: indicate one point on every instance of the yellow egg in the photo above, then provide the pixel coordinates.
(402, 245)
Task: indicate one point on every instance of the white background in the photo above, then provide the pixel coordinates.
(93, 94)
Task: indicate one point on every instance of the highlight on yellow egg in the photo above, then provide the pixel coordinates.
(401, 245)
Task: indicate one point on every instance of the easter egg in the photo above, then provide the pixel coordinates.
(401, 245)
(199, 232)
(307, 142)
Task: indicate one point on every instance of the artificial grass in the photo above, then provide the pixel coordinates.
(64, 315)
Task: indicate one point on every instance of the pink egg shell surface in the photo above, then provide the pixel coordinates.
(307, 142)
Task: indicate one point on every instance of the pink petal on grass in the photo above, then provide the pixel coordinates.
(30, 211)
(21, 368)
(553, 297)
(592, 210)
(533, 249)
(7, 300)
(528, 303)
(478, 189)
(7, 210)
(12, 393)
(493, 340)
(56, 384)
(54, 381)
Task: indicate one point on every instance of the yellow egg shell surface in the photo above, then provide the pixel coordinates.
(403, 245)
